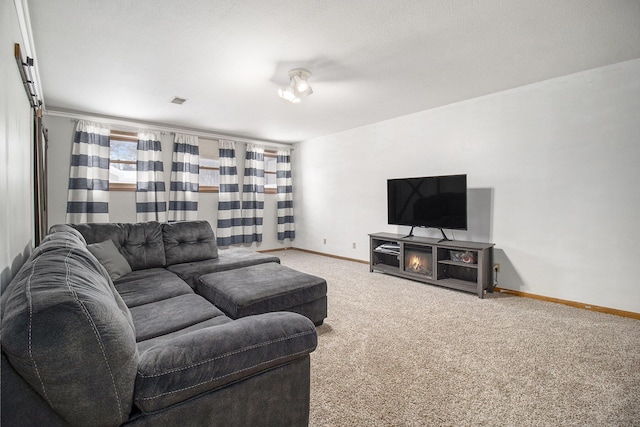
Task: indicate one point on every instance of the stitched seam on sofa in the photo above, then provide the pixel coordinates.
(251, 347)
(224, 376)
(272, 296)
(30, 302)
(96, 334)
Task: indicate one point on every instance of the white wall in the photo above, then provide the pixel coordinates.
(122, 203)
(16, 124)
(553, 175)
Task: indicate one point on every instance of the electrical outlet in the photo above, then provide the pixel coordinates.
(325, 241)
(354, 245)
(496, 267)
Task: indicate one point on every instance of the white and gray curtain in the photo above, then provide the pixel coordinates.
(184, 187)
(151, 204)
(286, 226)
(229, 230)
(88, 197)
(253, 194)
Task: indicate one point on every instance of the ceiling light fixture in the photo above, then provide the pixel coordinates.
(298, 86)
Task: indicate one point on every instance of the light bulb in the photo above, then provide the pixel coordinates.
(301, 85)
(287, 93)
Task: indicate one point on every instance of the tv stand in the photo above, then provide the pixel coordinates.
(465, 266)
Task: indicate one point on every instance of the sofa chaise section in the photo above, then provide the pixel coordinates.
(79, 349)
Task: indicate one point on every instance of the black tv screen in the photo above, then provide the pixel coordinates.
(432, 201)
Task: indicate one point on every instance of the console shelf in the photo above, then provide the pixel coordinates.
(465, 266)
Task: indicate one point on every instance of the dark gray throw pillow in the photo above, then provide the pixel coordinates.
(110, 258)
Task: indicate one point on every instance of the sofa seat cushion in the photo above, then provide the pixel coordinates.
(188, 241)
(169, 315)
(228, 259)
(209, 358)
(140, 243)
(159, 340)
(146, 286)
(261, 289)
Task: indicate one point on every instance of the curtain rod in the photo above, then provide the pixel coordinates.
(163, 128)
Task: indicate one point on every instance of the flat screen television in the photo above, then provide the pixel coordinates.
(431, 201)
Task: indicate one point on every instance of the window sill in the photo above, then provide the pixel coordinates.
(114, 186)
(208, 189)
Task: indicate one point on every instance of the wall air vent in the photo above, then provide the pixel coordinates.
(177, 100)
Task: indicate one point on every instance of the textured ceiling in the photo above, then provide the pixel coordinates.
(371, 60)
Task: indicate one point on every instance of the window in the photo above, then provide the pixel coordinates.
(209, 165)
(270, 163)
(122, 160)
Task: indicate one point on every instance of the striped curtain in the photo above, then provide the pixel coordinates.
(185, 168)
(151, 202)
(88, 197)
(286, 226)
(253, 194)
(229, 214)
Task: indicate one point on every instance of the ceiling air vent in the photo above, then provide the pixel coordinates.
(177, 100)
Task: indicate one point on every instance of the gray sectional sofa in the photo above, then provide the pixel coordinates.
(90, 340)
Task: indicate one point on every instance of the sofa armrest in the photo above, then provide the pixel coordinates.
(210, 358)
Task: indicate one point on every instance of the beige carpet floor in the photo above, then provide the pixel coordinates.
(393, 352)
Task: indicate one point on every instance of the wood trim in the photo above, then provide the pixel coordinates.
(124, 136)
(359, 261)
(581, 305)
(114, 186)
(264, 251)
(208, 189)
(274, 155)
(591, 307)
(124, 162)
(129, 137)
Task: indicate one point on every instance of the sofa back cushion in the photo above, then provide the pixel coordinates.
(189, 241)
(140, 243)
(68, 333)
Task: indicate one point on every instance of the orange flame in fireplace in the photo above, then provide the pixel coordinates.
(418, 263)
(415, 263)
